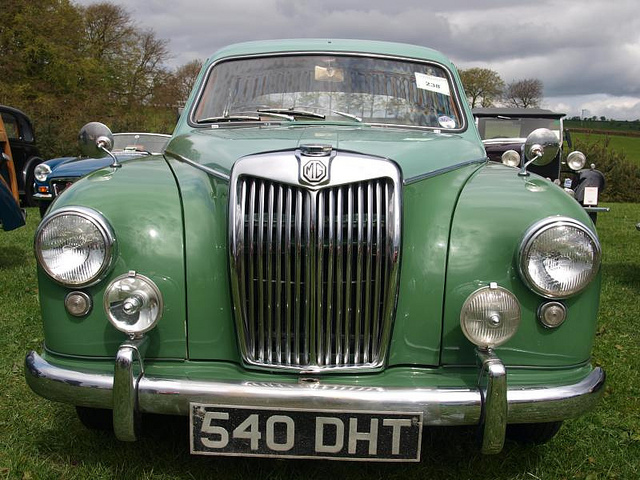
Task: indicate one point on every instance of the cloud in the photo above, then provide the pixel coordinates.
(576, 47)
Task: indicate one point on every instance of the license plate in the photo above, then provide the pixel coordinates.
(302, 433)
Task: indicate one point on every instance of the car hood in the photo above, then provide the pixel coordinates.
(77, 167)
(417, 152)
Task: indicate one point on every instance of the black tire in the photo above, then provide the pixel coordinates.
(533, 433)
(28, 200)
(43, 208)
(96, 418)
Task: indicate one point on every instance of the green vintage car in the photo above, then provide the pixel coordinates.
(321, 264)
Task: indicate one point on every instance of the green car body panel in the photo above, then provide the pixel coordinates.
(462, 226)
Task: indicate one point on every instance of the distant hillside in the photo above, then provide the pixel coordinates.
(612, 127)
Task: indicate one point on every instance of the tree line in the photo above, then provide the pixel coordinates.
(485, 88)
(65, 65)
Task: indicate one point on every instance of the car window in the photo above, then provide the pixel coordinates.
(513, 127)
(139, 142)
(11, 126)
(376, 90)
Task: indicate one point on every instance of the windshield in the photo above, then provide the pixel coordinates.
(372, 90)
(139, 142)
(513, 127)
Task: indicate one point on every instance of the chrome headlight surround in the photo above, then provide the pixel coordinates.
(41, 172)
(553, 267)
(78, 231)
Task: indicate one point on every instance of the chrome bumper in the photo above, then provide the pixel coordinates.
(491, 404)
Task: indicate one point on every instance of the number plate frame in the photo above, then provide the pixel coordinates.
(256, 431)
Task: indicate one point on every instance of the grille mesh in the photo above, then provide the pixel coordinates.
(314, 273)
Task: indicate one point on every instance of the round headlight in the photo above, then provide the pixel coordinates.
(511, 158)
(490, 316)
(576, 160)
(133, 303)
(75, 246)
(559, 257)
(41, 172)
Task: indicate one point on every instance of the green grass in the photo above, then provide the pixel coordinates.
(630, 146)
(44, 440)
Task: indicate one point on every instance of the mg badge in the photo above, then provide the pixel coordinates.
(314, 172)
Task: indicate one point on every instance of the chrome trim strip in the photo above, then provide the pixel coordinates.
(424, 176)
(210, 171)
(441, 406)
(450, 77)
(42, 196)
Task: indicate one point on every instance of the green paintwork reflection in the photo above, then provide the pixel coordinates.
(427, 210)
(495, 209)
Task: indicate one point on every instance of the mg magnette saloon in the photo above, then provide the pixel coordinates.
(322, 264)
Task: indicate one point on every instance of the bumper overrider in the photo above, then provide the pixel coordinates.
(491, 404)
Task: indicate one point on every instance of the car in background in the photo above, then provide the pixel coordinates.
(321, 263)
(26, 156)
(504, 132)
(11, 216)
(54, 176)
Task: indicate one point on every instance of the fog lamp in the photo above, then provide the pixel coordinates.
(552, 314)
(576, 160)
(511, 158)
(78, 304)
(490, 316)
(133, 303)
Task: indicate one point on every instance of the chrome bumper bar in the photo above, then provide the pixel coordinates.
(491, 404)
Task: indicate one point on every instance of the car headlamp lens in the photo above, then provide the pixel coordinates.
(490, 316)
(559, 257)
(75, 246)
(511, 158)
(41, 172)
(133, 303)
(576, 160)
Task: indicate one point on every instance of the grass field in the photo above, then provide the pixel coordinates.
(43, 440)
(629, 145)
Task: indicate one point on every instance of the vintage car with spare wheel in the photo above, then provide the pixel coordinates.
(322, 263)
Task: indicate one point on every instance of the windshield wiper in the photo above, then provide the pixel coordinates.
(348, 115)
(292, 112)
(230, 118)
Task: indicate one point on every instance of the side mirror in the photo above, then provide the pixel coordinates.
(540, 148)
(96, 141)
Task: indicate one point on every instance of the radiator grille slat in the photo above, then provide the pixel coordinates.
(314, 282)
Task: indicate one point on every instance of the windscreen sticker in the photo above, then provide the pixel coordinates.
(432, 83)
(446, 122)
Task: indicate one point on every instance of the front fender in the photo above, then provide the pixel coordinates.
(494, 210)
(140, 201)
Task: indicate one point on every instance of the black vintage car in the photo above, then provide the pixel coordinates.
(504, 131)
(23, 147)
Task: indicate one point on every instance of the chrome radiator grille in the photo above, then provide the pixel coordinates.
(314, 272)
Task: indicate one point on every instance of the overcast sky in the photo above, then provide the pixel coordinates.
(586, 52)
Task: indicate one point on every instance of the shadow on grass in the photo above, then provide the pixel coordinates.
(11, 256)
(163, 451)
(627, 274)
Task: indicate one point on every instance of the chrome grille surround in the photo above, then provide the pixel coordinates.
(314, 268)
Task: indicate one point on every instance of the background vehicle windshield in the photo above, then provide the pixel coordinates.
(138, 142)
(377, 90)
(512, 127)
